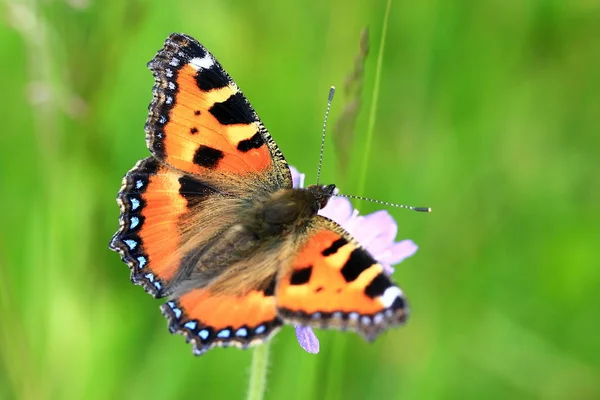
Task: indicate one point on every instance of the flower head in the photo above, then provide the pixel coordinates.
(376, 232)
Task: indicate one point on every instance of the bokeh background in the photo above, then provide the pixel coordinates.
(488, 112)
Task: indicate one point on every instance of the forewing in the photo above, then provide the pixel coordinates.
(201, 123)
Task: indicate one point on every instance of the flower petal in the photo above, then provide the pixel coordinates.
(338, 209)
(388, 269)
(307, 339)
(297, 178)
(399, 251)
(378, 232)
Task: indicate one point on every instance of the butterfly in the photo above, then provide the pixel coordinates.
(210, 221)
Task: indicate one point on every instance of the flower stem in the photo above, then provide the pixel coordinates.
(334, 384)
(373, 110)
(258, 372)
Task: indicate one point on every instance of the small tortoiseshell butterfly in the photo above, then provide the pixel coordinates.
(211, 221)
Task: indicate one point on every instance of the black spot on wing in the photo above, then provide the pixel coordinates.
(255, 142)
(193, 191)
(211, 78)
(398, 304)
(197, 112)
(358, 261)
(194, 130)
(207, 157)
(189, 45)
(301, 276)
(270, 289)
(234, 110)
(378, 285)
(335, 246)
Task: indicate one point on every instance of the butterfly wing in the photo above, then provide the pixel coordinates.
(165, 224)
(335, 283)
(208, 319)
(210, 151)
(200, 122)
(157, 202)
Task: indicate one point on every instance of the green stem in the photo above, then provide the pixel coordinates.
(258, 372)
(334, 384)
(373, 110)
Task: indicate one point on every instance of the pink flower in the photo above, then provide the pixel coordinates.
(307, 339)
(376, 232)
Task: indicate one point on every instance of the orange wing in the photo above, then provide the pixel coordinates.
(209, 320)
(200, 122)
(154, 199)
(335, 283)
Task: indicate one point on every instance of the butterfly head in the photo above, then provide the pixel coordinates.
(322, 194)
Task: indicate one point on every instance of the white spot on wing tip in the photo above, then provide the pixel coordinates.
(202, 63)
(390, 295)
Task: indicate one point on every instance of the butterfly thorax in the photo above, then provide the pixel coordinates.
(289, 209)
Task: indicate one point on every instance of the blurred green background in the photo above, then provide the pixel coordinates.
(488, 112)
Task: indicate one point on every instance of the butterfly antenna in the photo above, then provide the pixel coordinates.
(385, 203)
(329, 100)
